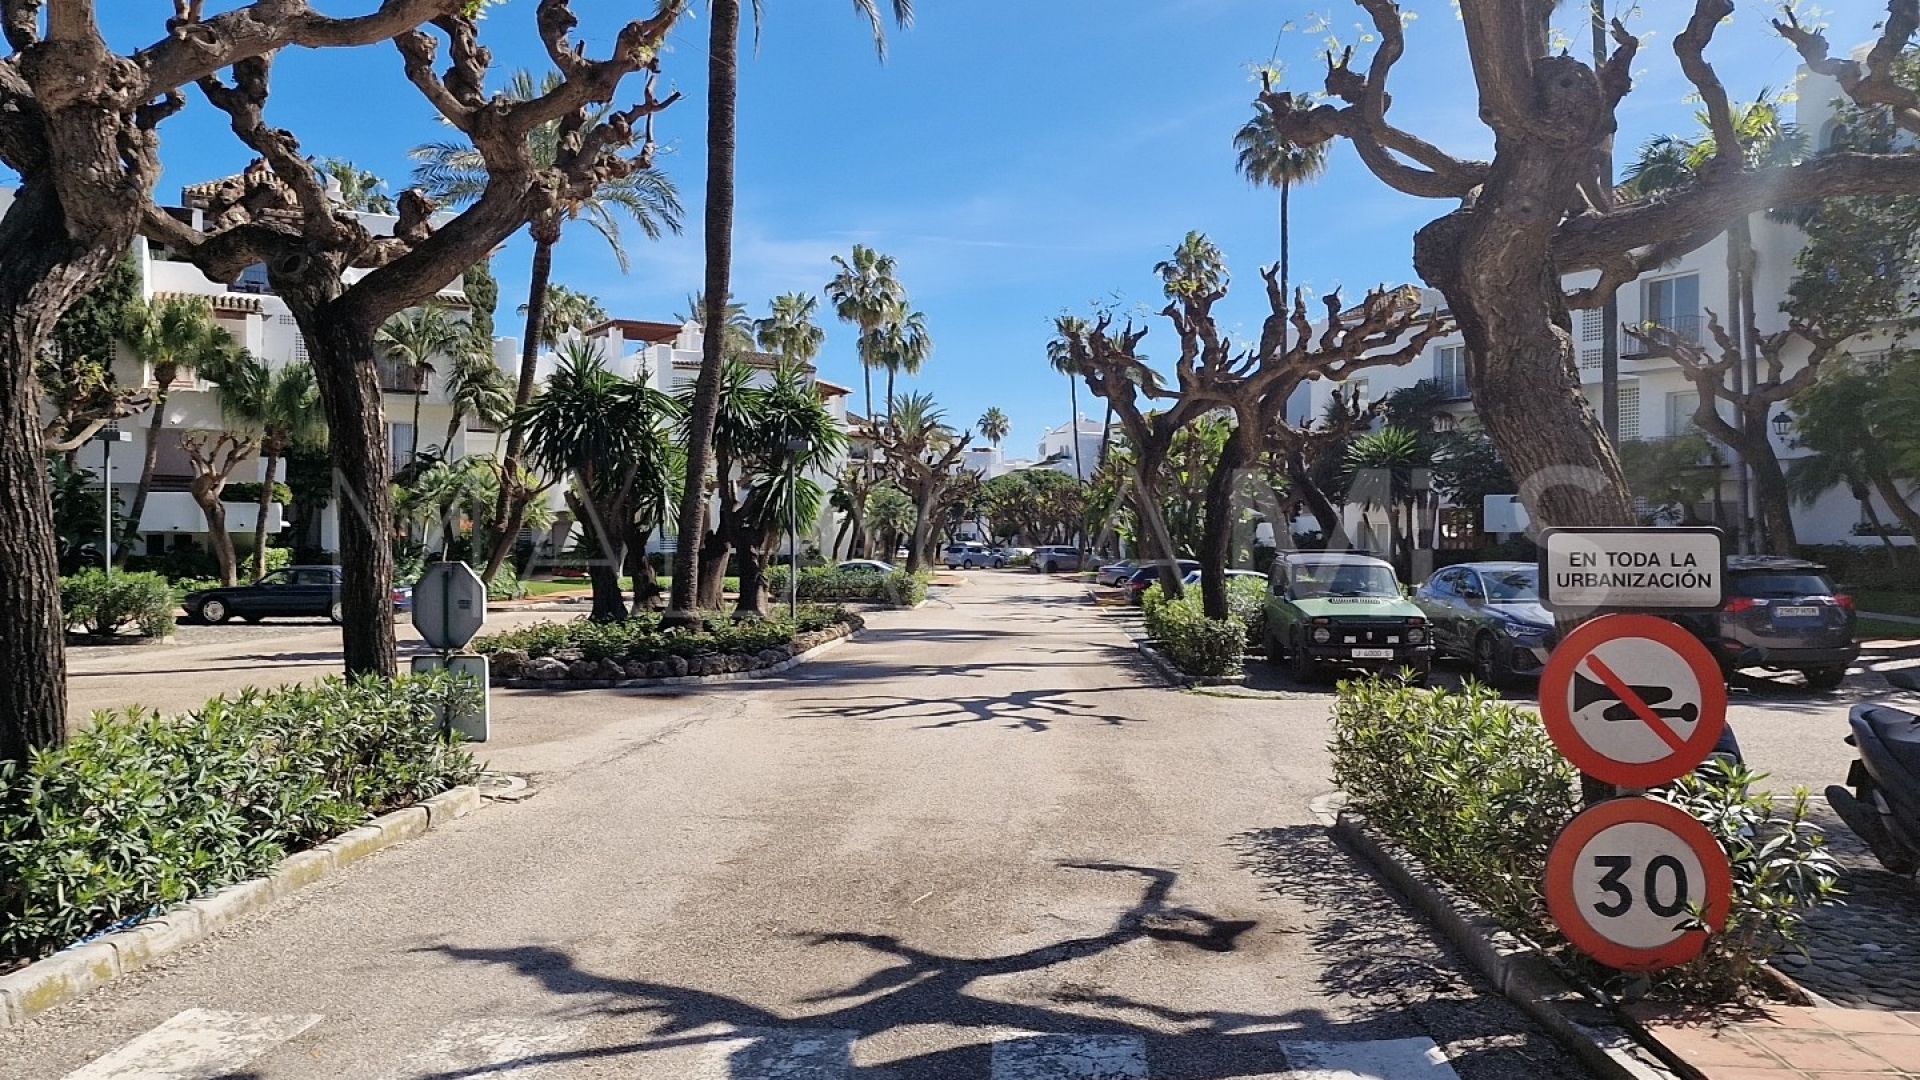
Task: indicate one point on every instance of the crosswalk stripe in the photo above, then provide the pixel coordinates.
(497, 1047)
(778, 1055)
(1381, 1059)
(198, 1044)
(1070, 1057)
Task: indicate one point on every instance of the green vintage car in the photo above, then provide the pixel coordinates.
(1330, 609)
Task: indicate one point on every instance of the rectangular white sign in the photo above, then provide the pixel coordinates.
(1632, 569)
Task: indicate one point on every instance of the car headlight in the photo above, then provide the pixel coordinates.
(1416, 636)
(1529, 635)
(1322, 635)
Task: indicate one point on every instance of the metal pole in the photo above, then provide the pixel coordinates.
(793, 538)
(106, 488)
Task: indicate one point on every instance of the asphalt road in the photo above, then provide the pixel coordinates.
(976, 842)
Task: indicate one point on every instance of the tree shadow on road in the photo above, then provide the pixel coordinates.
(1020, 710)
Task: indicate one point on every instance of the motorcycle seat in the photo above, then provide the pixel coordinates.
(1899, 732)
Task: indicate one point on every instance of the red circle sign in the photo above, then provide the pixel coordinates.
(1633, 700)
(1631, 880)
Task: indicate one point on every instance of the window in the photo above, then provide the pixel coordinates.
(299, 339)
(314, 577)
(1450, 369)
(1592, 339)
(1674, 303)
(1680, 408)
(253, 280)
(399, 444)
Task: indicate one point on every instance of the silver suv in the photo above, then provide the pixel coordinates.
(969, 556)
(1063, 558)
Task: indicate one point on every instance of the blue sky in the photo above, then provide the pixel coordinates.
(1019, 158)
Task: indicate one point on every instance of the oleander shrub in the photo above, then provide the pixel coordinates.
(1197, 645)
(1247, 599)
(141, 811)
(247, 493)
(643, 638)
(827, 584)
(184, 586)
(106, 604)
(506, 585)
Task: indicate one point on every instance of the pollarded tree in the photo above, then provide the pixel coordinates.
(1535, 211)
(79, 124)
(215, 458)
(278, 214)
(923, 454)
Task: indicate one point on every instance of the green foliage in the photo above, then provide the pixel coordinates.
(904, 590)
(1666, 473)
(831, 585)
(1782, 870)
(77, 514)
(107, 604)
(1466, 782)
(141, 811)
(506, 585)
(642, 638)
(247, 492)
(198, 564)
(1247, 601)
(1212, 648)
(91, 327)
(1043, 506)
(483, 290)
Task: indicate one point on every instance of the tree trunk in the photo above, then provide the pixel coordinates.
(890, 373)
(453, 430)
(150, 459)
(1286, 256)
(1771, 497)
(753, 576)
(1073, 424)
(646, 585)
(1153, 518)
(1106, 434)
(266, 505)
(723, 88)
(1325, 514)
(1864, 497)
(343, 364)
(218, 538)
(413, 452)
(1883, 482)
(509, 512)
(1216, 542)
(922, 523)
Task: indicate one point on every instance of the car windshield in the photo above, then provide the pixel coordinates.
(1513, 586)
(1312, 581)
(1779, 585)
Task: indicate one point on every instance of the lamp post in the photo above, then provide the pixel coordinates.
(796, 446)
(106, 437)
(1782, 425)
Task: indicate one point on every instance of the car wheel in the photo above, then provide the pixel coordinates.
(1825, 678)
(335, 613)
(1301, 666)
(213, 612)
(1488, 664)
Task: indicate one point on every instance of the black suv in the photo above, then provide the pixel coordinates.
(1781, 614)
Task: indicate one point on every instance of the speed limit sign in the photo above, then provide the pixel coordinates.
(1638, 884)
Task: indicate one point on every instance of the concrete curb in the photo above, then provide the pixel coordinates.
(1521, 974)
(678, 680)
(73, 973)
(1173, 676)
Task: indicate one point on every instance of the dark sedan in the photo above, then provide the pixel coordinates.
(296, 592)
(1489, 613)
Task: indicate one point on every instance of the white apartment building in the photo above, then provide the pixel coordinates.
(1058, 444)
(1656, 401)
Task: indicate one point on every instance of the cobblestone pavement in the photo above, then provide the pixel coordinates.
(1866, 951)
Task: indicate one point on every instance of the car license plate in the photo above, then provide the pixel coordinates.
(1373, 654)
(1796, 612)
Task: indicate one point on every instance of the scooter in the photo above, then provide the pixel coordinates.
(1883, 807)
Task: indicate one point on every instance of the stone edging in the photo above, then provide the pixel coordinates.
(1516, 969)
(1170, 672)
(766, 667)
(74, 972)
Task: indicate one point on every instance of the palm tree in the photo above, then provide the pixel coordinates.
(737, 342)
(994, 426)
(1197, 268)
(864, 290)
(1268, 158)
(475, 385)
(360, 189)
(723, 92)
(455, 173)
(1393, 453)
(789, 331)
(283, 405)
(1066, 330)
(168, 334)
(901, 345)
(566, 310)
(414, 338)
(790, 413)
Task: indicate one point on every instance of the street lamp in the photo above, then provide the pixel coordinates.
(796, 447)
(106, 437)
(1782, 425)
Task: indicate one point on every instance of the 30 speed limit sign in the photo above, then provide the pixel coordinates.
(1636, 883)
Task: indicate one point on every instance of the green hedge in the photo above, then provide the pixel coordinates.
(141, 811)
(1209, 648)
(247, 493)
(828, 584)
(642, 638)
(105, 604)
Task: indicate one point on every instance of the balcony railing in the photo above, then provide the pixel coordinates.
(400, 378)
(1690, 329)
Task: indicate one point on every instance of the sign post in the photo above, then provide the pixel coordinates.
(449, 609)
(1635, 701)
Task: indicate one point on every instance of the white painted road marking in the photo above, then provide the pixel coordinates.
(1070, 1057)
(1384, 1059)
(502, 1046)
(199, 1044)
(778, 1055)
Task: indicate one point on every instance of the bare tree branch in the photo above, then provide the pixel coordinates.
(1690, 45)
(196, 48)
(1870, 82)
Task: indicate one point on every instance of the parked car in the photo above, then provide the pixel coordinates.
(1781, 614)
(1145, 574)
(1489, 613)
(293, 592)
(1328, 609)
(1061, 558)
(865, 566)
(1192, 577)
(1116, 573)
(969, 556)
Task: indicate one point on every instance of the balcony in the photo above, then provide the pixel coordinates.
(1690, 329)
(400, 378)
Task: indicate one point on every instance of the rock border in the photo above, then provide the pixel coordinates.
(1520, 972)
(74, 972)
(1173, 676)
(680, 671)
